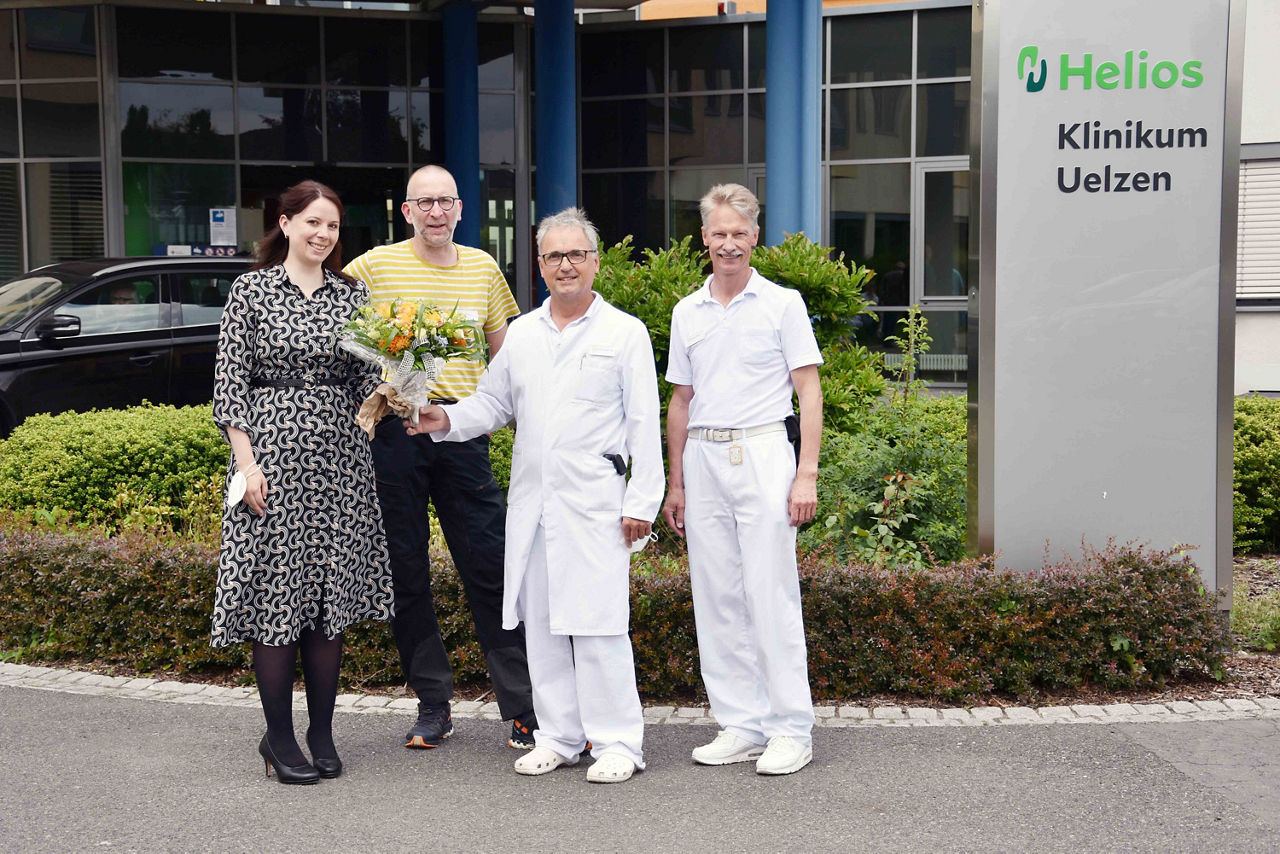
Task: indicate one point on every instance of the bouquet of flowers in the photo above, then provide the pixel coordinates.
(411, 340)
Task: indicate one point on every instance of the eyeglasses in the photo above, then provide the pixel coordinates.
(575, 256)
(426, 203)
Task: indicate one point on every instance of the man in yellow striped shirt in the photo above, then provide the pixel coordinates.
(413, 471)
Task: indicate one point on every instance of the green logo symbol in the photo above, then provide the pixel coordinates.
(1027, 60)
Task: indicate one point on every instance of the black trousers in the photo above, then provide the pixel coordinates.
(456, 477)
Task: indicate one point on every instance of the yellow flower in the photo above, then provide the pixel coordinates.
(382, 309)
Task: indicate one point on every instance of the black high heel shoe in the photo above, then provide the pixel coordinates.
(303, 774)
(328, 766)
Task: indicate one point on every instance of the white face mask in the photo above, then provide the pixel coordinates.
(638, 545)
(236, 489)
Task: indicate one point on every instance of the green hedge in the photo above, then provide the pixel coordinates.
(1256, 485)
(1121, 618)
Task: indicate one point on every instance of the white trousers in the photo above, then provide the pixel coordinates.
(746, 590)
(584, 686)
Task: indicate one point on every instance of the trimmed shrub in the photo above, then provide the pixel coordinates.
(1256, 484)
(1119, 618)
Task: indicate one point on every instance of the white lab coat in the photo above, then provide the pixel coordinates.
(577, 393)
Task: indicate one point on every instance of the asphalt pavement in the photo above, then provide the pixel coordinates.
(100, 773)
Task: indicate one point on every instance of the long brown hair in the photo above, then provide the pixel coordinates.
(274, 248)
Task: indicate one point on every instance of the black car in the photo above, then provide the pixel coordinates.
(110, 333)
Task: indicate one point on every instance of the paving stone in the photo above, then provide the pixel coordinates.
(213, 691)
(1152, 709)
(840, 722)
(67, 677)
(824, 711)
(961, 715)
(1119, 710)
(855, 712)
(705, 721)
(1056, 713)
(372, 702)
(988, 713)
(348, 699)
(1086, 710)
(37, 672)
(1022, 713)
(465, 707)
(662, 711)
(691, 712)
(407, 704)
(490, 709)
(1182, 707)
(1268, 702)
(139, 683)
(183, 687)
(1210, 705)
(922, 714)
(887, 713)
(1240, 704)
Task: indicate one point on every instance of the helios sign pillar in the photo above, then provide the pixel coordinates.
(1105, 155)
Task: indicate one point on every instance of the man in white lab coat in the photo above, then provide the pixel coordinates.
(578, 377)
(740, 347)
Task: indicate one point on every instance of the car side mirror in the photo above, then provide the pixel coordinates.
(58, 326)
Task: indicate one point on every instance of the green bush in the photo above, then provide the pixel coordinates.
(1255, 617)
(1122, 618)
(144, 466)
(1256, 484)
(831, 287)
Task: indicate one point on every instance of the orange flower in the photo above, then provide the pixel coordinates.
(405, 314)
(398, 344)
(460, 337)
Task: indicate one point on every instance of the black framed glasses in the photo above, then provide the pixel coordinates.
(426, 203)
(575, 256)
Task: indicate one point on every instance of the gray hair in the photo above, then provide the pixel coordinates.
(569, 218)
(735, 196)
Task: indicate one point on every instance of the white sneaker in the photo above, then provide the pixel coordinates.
(784, 755)
(541, 760)
(726, 750)
(611, 767)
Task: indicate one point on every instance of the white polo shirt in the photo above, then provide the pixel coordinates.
(739, 357)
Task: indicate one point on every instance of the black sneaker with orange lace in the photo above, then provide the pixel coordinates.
(434, 725)
(522, 729)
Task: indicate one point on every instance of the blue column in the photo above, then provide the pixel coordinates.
(793, 124)
(462, 112)
(555, 115)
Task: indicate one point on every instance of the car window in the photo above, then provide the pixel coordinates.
(23, 296)
(121, 305)
(202, 296)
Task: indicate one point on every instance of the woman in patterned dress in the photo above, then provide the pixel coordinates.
(303, 555)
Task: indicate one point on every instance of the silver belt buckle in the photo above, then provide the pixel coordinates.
(720, 435)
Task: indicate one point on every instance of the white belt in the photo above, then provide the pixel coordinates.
(713, 434)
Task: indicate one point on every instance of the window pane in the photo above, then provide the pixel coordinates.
(497, 129)
(627, 63)
(125, 305)
(58, 43)
(870, 223)
(945, 42)
(10, 223)
(428, 127)
(942, 119)
(426, 55)
(946, 233)
(194, 44)
(203, 296)
(688, 186)
(364, 52)
(64, 211)
(946, 360)
(627, 203)
(8, 120)
(706, 129)
(622, 133)
(498, 231)
(279, 124)
(755, 128)
(173, 120)
(278, 48)
(368, 125)
(60, 119)
(705, 58)
(168, 203)
(497, 56)
(757, 46)
(871, 47)
(8, 68)
(871, 122)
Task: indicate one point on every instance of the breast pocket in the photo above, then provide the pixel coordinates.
(599, 380)
(759, 347)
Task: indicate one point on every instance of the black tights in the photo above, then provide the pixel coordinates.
(274, 668)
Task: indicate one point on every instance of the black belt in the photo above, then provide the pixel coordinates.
(295, 382)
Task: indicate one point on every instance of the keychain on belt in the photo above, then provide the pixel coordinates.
(735, 454)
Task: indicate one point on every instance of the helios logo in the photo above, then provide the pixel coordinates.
(1135, 70)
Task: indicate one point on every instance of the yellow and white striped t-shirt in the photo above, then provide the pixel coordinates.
(474, 284)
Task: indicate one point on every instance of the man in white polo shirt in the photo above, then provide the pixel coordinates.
(740, 346)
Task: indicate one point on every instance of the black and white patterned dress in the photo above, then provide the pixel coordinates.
(318, 558)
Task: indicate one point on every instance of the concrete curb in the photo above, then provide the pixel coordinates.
(1177, 711)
